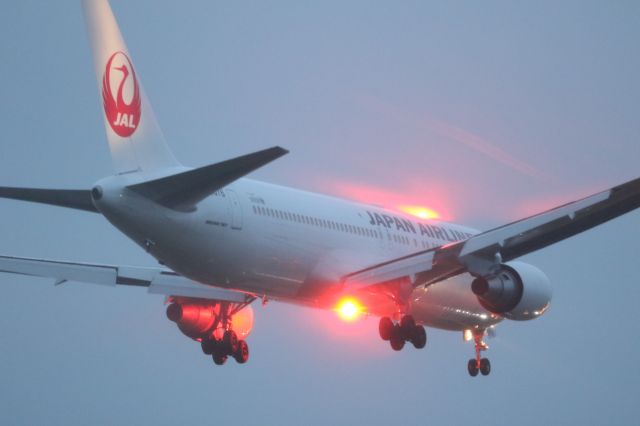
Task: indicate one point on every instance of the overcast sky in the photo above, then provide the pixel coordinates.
(484, 111)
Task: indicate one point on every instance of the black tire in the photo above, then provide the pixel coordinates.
(230, 340)
(419, 337)
(407, 324)
(242, 354)
(219, 356)
(385, 328)
(485, 366)
(472, 367)
(397, 339)
(208, 346)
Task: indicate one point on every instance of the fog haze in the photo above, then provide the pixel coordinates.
(484, 111)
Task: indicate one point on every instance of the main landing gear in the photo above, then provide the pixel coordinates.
(212, 324)
(397, 334)
(230, 345)
(479, 364)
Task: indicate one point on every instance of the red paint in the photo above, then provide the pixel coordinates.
(123, 117)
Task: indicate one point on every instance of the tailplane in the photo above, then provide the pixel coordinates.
(79, 199)
(135, 139)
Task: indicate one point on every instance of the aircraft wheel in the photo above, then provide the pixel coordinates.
(242, 354)
(472, 366)
(407, 325)
(419, 337)
(230, 339)
(397, 339)
(385, 327)
(208, 346)
(219, 356)
(485, 366)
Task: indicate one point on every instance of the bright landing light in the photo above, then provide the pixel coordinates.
(421, 212)
(349, 309)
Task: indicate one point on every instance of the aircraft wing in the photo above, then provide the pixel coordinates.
(481, 253)
(157, 280)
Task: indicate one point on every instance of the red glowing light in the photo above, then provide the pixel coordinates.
(349, 309)
(420, 211)
(411, 200)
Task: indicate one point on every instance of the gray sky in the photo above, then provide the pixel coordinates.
(485, 111)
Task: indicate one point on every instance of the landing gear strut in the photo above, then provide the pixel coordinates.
(405, 331)
(211, 324)
(479, 364)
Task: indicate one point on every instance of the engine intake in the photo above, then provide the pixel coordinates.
(519, 291)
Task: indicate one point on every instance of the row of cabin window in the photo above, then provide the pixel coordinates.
(403, 239)
(294, 217)
(314, 221)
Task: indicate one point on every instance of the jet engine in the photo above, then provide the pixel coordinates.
(519, 291)
(201, 320)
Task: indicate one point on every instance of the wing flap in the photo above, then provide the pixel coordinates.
(176, 285)
(60, 271)
(389, 271)
(539, 231)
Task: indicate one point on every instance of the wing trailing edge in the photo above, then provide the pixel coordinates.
(156, 280)
(480, 253)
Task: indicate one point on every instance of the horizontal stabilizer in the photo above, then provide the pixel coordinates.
(184, 190)
(79, 199)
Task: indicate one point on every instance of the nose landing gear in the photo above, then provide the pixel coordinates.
(397, 334)
(479, 364)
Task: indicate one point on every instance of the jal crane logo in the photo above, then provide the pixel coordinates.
(123, 116)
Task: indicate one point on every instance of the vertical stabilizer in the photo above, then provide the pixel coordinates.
(135, 139)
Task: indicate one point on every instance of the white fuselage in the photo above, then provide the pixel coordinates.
(294, 246)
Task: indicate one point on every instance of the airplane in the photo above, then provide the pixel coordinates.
(223, 240)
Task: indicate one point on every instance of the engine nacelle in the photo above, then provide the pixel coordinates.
(518, 292)
(201, 320)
